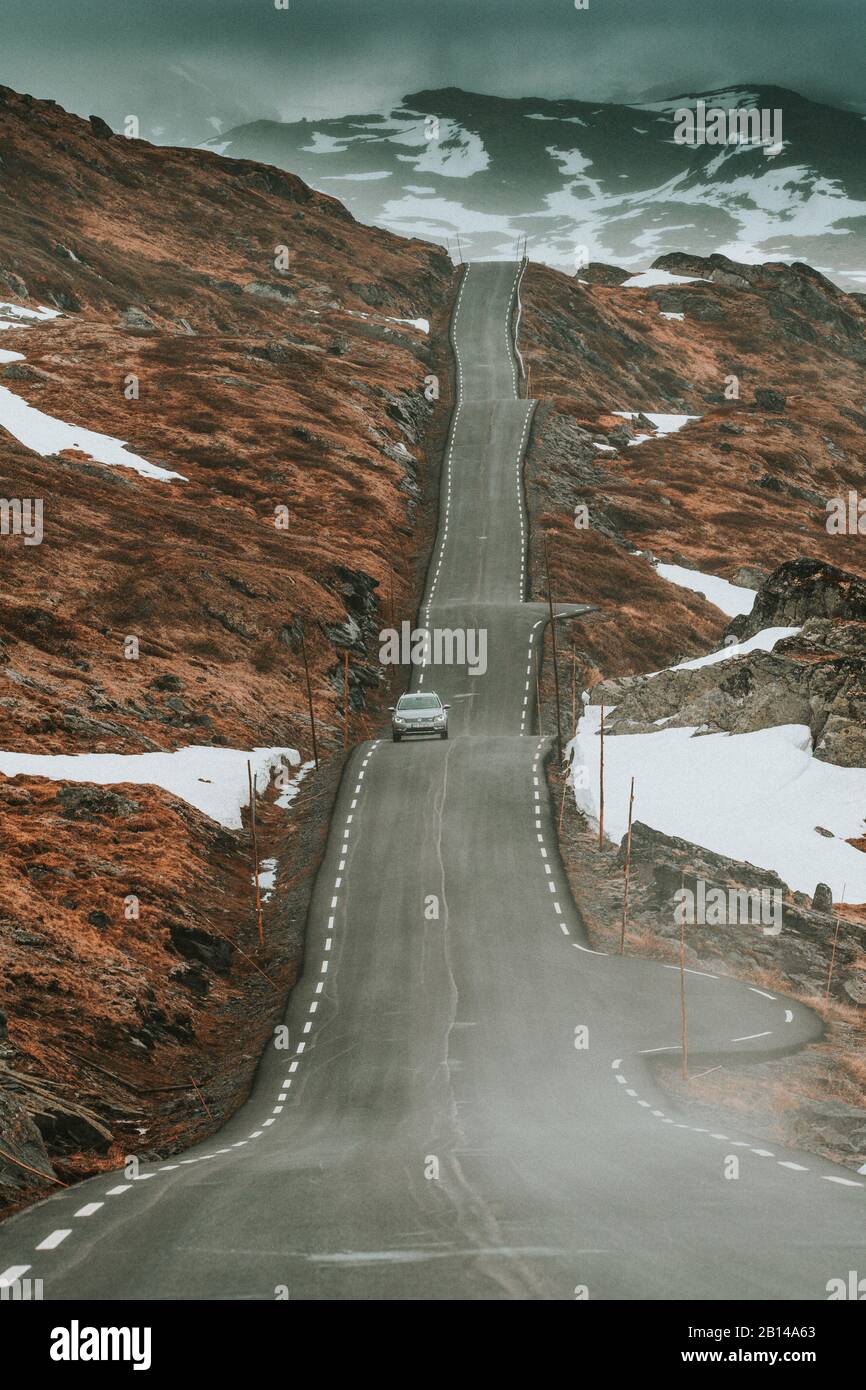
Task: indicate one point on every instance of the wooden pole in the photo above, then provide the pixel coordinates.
(833, 953)
(345, 699)
(555, 662)
(601, 786)
(683, 1018)
(201, 1098)
(310, 700)
(627, 872)
(255, 852)
(564, 793)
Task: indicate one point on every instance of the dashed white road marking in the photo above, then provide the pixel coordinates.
(89, 1209)
(11, 1275)
(750, 1036)
(56, 1238)
(722, 1138)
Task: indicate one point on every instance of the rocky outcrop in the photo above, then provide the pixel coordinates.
(801, 590)
(802, 950)
(598, 273)
(817, 678)
(25, 1157)
(756, 691)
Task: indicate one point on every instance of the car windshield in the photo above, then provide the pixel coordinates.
(418, 702)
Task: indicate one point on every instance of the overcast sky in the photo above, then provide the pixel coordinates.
(176, 62)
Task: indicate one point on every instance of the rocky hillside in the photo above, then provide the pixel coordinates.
(263, 359)
(705, 414)
(605, 176)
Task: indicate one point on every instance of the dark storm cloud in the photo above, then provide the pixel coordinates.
(176, 61)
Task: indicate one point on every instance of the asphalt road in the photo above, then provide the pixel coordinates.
(433, 1132)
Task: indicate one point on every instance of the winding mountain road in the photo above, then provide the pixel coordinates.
(433, 1131)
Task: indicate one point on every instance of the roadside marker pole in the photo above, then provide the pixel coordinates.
(573, 684)
(627, 871)
(833, 953)
(601, 786)
(564, 794)
(255, 852)
(684, 1021)
(553, 644)
(310, 700)
(201, 1098)
(346, 700)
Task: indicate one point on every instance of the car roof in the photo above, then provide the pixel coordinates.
(412, 694)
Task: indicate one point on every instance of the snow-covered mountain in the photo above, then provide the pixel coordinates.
(570, 174)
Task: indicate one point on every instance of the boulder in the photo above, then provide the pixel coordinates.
(822, 899)
(197, 945)
(799, 590)
(598, 273)
(767, 399)
(134, 317)
(101, 129)
(262, 289)
(88, 803)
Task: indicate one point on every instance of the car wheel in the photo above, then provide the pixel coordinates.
(444, 733)
(397, 737)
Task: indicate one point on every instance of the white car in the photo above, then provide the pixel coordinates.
(419, 714)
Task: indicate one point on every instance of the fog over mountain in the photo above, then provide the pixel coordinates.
(188, 69)
(588, 180)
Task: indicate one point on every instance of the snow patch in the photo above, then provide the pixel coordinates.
(291, 788)
(370, 177)
(663, 424)
(648, 278)
(730, 598)
(763, 641)
(18, 311)
(267, 879)
(46, 435)
(214, 780)
(423, 325)
(755, 797)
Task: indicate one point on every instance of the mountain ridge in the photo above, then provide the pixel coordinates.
(602, 178)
